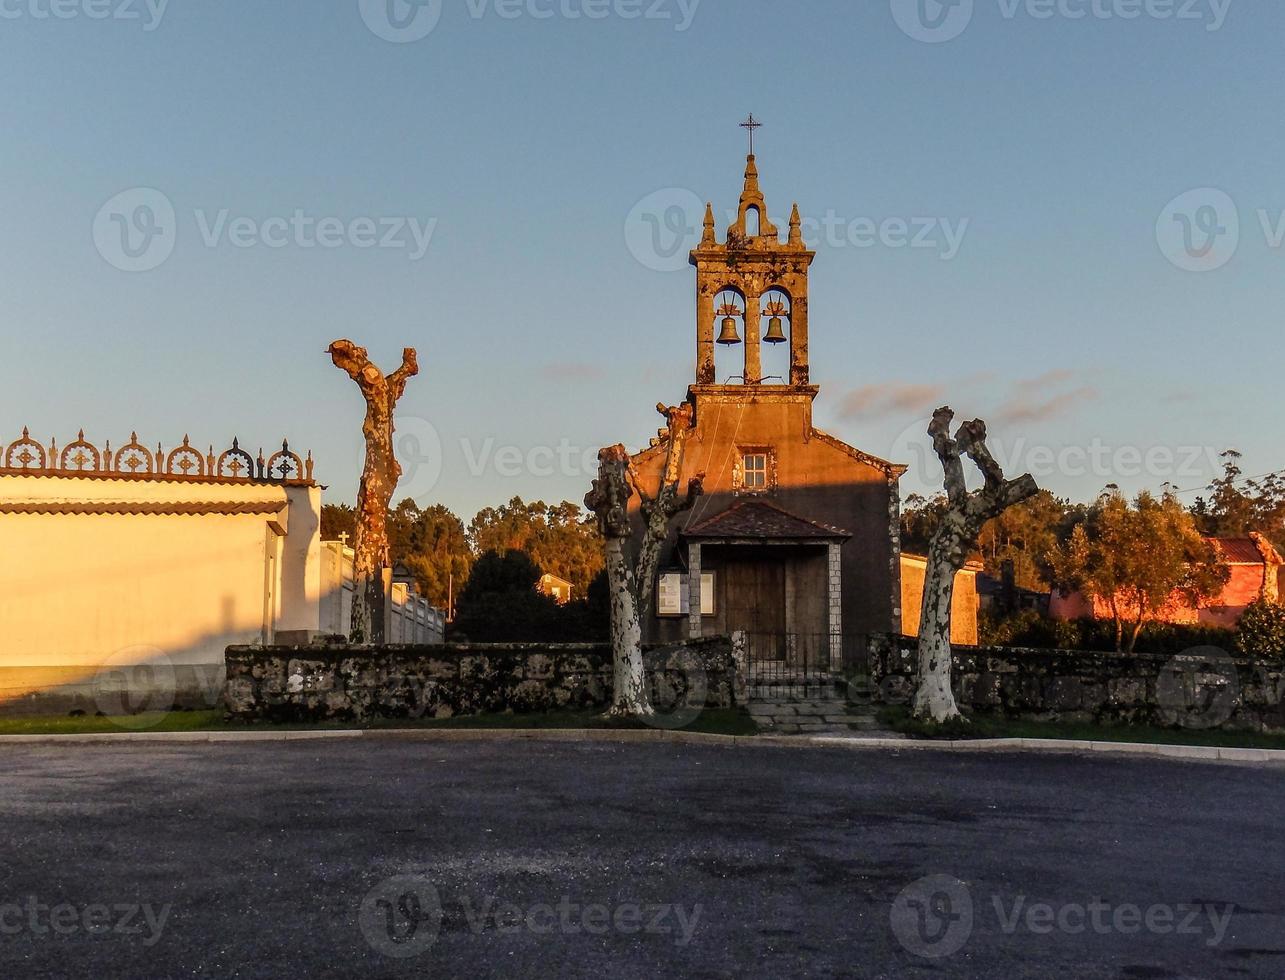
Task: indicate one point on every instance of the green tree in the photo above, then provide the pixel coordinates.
(920, 516)
(1261, 632)
(337, 519)
(431, 543)
(1236, 506)
(559, 538)
(1138, 560)
(1025, 534)
(500, 604)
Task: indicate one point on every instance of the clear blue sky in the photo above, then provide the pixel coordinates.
(529, 141)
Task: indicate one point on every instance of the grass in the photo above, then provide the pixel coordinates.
(990, 726)
(716, 722)
(149, 721)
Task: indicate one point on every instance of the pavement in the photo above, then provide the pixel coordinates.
(391, 856)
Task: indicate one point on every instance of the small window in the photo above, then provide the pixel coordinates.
(754, 468)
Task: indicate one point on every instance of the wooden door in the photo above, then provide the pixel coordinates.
(754, 593)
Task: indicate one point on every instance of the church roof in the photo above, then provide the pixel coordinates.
(765, 521)
(895, 470)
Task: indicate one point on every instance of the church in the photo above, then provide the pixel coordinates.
(796, 541)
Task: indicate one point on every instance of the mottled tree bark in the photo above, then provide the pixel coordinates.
(379, 477)
(630, 586)
(956, 536)
(609, 501)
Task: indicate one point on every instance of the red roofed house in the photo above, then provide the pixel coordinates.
(1255, 573)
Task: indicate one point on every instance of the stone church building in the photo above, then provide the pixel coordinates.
(796, 541)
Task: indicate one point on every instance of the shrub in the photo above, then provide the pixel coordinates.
(1261, 635)
(1030, 628)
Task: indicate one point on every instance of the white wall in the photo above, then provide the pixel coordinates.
(81, 591)
(412, 619)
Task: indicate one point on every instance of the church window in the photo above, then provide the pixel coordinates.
(754, 471)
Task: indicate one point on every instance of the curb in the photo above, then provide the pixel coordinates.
(1202, 753)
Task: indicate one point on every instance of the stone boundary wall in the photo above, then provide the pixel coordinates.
(341, 683)
(1204, 688)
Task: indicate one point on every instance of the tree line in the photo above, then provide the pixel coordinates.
(1134, 556)
(488, 569)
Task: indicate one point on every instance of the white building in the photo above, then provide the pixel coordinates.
(131, 570)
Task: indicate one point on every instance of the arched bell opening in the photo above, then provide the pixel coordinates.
(753, 222)
(775, 308)
(729, 336)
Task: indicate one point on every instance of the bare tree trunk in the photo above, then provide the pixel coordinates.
(1118, 618)
(631, 587)
(609, 500)
(1137, 624)
(379, 477)
(629, 673)
(965, 516)
(934, 698)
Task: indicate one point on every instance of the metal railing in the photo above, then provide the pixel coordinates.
(803, 666)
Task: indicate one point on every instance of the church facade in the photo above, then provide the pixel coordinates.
(797, 539)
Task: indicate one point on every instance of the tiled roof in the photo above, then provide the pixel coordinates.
(760, 519)
(166, 508)
(1242, 551)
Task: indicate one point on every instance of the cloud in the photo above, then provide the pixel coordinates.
(1028, 403)
(572, 372)
(1049, 379)
(890, 398)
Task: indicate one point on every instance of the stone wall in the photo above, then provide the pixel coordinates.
(286, 684)
(1205, 688)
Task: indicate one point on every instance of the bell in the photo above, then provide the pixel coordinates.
(775, 331)
(729, 336)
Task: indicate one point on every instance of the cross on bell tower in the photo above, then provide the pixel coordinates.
(751, 124)
(749, 277)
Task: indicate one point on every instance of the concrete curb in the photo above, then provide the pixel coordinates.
(1202, 753)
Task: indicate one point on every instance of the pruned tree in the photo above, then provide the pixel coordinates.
(955, 538)
(379, 477)
(630, 583)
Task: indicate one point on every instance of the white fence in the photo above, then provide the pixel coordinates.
(412, 619)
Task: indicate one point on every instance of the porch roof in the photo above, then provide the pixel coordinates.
(761, 521)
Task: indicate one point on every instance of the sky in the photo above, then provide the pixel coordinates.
(1063, 217)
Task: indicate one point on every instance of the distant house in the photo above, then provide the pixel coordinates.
(1256, 569)
(1002, 596)
(558, 589)
(963, 607)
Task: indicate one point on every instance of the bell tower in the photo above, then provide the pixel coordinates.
(753, 282)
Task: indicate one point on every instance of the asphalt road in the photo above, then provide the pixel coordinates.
(389, 858)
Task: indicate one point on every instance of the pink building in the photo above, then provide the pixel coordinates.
(1255, 572)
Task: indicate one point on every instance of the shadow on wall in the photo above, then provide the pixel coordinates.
(135, 679)
(145, 676)
(871, 578)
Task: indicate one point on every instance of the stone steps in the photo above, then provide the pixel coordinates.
(815, 716)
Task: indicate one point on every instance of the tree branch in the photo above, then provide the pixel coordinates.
(972, 442)
(608, 500)
(355, 361)
(948, 452)
(410, 367)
